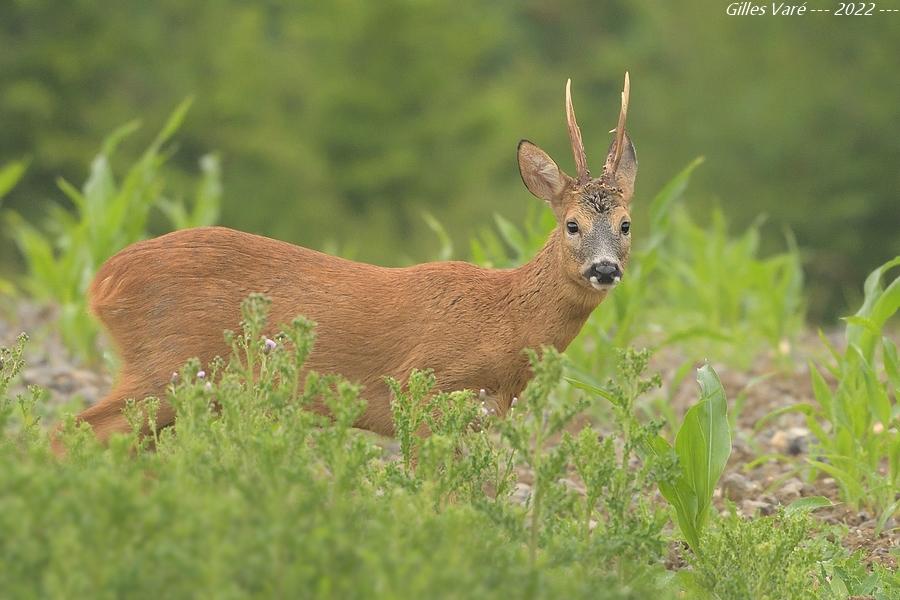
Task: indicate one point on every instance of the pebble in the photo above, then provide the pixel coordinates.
(737, 487)
(573, 485)
(48, 363)
(749, 508)
(791, 490)
(522, 494)
(793, 441)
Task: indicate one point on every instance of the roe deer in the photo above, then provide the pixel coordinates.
(168, 299)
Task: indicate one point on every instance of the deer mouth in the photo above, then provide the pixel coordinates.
(606, 285)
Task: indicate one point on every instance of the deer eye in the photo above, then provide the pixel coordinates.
(626, 227)
(572, 227)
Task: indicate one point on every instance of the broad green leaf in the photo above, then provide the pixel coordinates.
(703, 443)
(680, 495)
(874, 307)
(887, 305)
(808, 504)
(592, 389)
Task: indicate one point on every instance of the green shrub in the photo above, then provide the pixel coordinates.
(765, 558)
(267, 490)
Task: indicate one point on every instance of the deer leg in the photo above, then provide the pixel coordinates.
(106, 417)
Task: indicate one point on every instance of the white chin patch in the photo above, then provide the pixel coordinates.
(603, 286)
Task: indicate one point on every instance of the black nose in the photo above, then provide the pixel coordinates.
(605, 271)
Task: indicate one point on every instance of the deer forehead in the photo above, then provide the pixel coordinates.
(598, 199)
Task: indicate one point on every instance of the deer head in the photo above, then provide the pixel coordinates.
(592, 213)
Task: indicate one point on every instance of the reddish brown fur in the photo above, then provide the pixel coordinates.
(168, 299)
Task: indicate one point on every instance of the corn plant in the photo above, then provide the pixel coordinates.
(109, 214)
(702, 445)
(856, 422)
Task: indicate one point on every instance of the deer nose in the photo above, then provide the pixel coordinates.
(605, 272)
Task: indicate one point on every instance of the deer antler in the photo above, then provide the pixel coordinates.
(584, 175)
(612, 167)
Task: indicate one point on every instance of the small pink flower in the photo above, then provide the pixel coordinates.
(270, 345)
(201, 374)
(174, 377)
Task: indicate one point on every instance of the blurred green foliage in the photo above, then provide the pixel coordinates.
(338, 122)
(62, 256)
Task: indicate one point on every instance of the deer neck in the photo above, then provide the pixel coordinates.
(549, 305)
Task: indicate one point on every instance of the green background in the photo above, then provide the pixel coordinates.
(339, 122)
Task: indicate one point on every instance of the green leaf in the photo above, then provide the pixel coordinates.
(891, 364)
(806, 409)
(886, 514)
(809, 504)
(10, 175)
(821, 390)
(680, 495)
(38, 253)
(207, 204)
(512, 236)
(592, 389)
(113, 140)
(850, 482)
(703, 443)
(697, 331)
(878, 305)
(446, 251)
(660, 207)
(172, 124)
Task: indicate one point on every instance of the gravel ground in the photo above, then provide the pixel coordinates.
(757, 490)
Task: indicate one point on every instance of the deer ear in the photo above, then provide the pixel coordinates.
(624, 176)
(540, 174)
